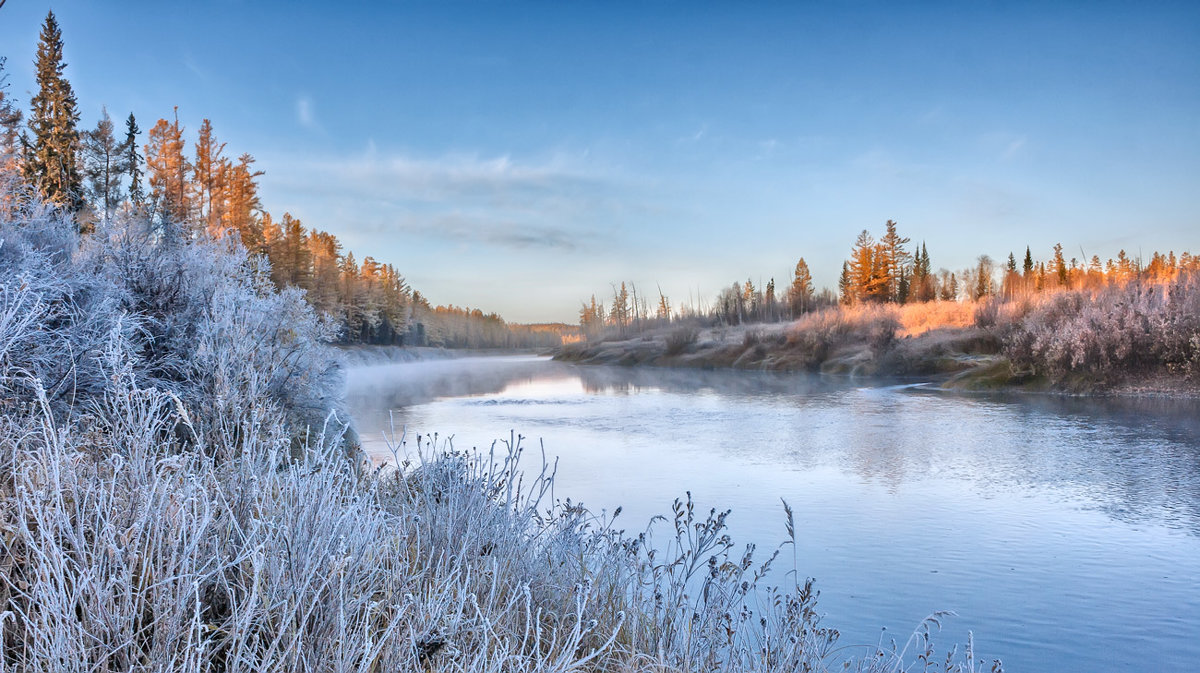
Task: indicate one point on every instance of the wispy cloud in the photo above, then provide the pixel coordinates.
(1013, 148)
(695, 136)
(508, 234)
(304, 113)
(1004, 145)
(555, 203)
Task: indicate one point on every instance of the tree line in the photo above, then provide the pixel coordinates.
(99, 173)
(884, 271)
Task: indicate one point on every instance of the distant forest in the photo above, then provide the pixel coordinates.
(883, 271)
(105, 172)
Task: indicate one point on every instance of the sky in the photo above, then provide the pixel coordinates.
(521, 156)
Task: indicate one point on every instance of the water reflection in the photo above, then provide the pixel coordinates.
(1136, 459)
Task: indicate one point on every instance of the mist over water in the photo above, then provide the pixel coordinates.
(1065, 532)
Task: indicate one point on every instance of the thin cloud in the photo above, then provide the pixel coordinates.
(507, 234)
(553, 204)
(304, 113)
(1014, 147)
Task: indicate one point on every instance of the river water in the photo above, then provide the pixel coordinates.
(1064, 532)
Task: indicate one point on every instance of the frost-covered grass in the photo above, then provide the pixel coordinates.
(178, 493)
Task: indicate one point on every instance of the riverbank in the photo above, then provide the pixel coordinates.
(959, 358)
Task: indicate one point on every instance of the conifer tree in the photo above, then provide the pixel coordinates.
(210, 171)
(1027, 266)
(845, 289)
(1060, 265)
(168, 171)
(132, 162)
(10, 126)
(800, 294)
(921, 288)
(868, 270)
(242, 203)
(894, 263)
(620, 308)
(983, 278)
(102, 162)
(750, 300)
(52, 159)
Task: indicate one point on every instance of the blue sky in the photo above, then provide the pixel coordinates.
(519, 157)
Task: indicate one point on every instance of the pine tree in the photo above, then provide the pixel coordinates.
(868, 270)
(10, 126)
(620, 308)
(210, 171)
(1060, 265)
(1027, 266)
(52, 160)
(1011, 278)
(102, 162)
(983, 278)
(132, 162)
(921, 288)
(242, 203)
(750, 300)
(894, 263)
(291, 261)
(845, 288)
(800, 294)
(168, 170)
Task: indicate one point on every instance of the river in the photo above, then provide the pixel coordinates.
(1064, 532)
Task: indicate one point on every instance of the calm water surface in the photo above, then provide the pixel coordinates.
(1064, 532)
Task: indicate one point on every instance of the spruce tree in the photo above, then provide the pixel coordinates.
(52, 162)
(1027, 267)
(210, 173)
(169, 172)
(894, 263)
(10, 125)
(102, 159)
(132, 162)
(845, 288)
(801, 293)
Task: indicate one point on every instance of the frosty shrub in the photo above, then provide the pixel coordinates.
(1111, 334)
(680, 339)
(200, 319)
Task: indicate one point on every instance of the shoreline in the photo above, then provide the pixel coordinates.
(956, 359)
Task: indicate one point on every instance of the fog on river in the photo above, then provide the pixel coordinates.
(1065, 532)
